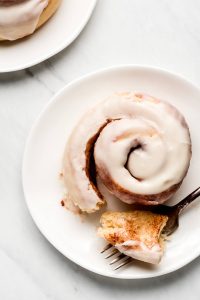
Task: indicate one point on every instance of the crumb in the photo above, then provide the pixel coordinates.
(62, 203)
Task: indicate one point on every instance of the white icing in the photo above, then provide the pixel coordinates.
(142, 252)
(19, 20)
(156, 164)
(162, 162)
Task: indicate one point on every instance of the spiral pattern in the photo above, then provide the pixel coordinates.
(137, 145)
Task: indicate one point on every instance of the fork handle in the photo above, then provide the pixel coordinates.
(187, 200)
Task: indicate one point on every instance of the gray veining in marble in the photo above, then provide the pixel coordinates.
(162, 33)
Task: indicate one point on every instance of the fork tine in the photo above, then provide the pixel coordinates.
(106, 248)
(114, 251)
(118, 258)
(125, 262)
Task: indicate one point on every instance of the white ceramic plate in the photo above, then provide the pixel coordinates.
(75, 237)
(54, 36)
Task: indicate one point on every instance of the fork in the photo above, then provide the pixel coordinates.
(172, 224)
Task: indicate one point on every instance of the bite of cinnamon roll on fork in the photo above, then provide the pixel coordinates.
(137, 234)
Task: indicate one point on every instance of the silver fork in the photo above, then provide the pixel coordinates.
(120, 257)
(172, 212)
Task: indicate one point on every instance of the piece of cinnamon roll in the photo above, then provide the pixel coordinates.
(137, 234)
(137, 145)
(20, 18)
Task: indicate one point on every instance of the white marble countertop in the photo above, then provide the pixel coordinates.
(160, 33)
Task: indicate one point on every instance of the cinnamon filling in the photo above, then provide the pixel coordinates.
(138, 146)
(90, 168)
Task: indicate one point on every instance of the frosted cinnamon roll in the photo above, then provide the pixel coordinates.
(19, 18)
(137, 145)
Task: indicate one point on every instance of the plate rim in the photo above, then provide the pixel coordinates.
(58, 49)
(29, 138)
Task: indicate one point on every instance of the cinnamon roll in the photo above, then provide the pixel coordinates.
(138, 146)
(19, 18)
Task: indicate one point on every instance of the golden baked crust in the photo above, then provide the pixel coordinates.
(47, 13)
(140, 226)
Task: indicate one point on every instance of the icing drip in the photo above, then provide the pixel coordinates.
(140, 251)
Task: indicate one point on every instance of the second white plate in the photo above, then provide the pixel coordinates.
(50, 39)
(75, 237)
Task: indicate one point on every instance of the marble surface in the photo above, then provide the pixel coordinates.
(160, 33)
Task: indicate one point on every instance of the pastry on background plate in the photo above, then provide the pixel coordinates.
(138, 146)
(20, 18)
(137, 234)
